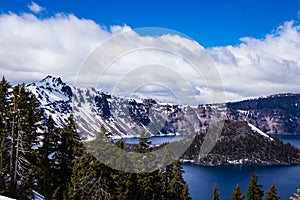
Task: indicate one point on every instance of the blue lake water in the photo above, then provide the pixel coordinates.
(201, 179)
(293, 139)
(153, 140)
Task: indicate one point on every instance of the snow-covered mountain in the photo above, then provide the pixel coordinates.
(121, 116)
(127, 117)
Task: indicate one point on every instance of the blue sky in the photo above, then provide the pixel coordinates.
(254, 45)
(211, 23)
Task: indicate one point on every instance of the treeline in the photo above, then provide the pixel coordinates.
(36, 155)
(254, 192)
(238, 142)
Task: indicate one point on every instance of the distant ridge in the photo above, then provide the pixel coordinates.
(278, 113)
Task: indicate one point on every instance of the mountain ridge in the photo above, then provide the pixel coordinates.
(128, 117)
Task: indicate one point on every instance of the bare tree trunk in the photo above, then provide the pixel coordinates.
(11, 147)
(1, 161)
(17, 158)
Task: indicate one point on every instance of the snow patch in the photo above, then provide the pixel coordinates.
(260, 132)
(5, 198)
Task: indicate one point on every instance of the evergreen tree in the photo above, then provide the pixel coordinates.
(178, 188)
(272, 193)
(90, 179)
(126, 183)
(147, 182)
(46, 174)
(25, 118)
(69, 149)
(296, 195)
(215, 195)
(4, 133)
(166, 173)
(237, 194)
(255, 191)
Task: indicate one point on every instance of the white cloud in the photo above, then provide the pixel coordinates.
(35, 7)
(259, 67)
(32, 48)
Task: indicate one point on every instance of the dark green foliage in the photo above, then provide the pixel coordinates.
(271, 194)
(4, 133)
(178, 188)
(69, 149)
(237, 194)
(21, 117)
(296, 196)
(36, 154)
(46, 171)
(238, 142)
(215, 195)
(90, 179)
(255, 191)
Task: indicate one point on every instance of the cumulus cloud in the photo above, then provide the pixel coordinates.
(32, 48)
(259, 67)
(35, 7)
(130, 63)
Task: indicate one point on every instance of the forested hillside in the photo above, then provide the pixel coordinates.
(238, 143)
(37, 155)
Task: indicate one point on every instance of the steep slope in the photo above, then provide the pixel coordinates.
(127, 117)
(244, 138)
(241, 143)
(278, 114)
(121, 116)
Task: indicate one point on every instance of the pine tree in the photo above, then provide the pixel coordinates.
(144, 145)
(90, 179)
(125, 182)
(296, 195)
(146, 160)
(46, 174)
(255, 191)
(237, 194)
(33, 121)
(178, 188)
(4, 133)
(25, 117)
(272, 193)
(215, 195)
(166, 173)
(147, 180)
(69, 149)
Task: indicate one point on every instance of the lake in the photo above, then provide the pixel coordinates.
(201, 179)
(153, 140)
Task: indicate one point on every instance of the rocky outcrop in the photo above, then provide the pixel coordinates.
(278, 114)
(129, 117)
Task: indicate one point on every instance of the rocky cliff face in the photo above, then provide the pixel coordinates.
(279, 114)
(127, 117)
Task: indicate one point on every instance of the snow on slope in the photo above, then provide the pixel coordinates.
(121, 116)
(260, 132)
(5, 198)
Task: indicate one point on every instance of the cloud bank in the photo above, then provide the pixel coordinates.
(259, 67)
(32, 48)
